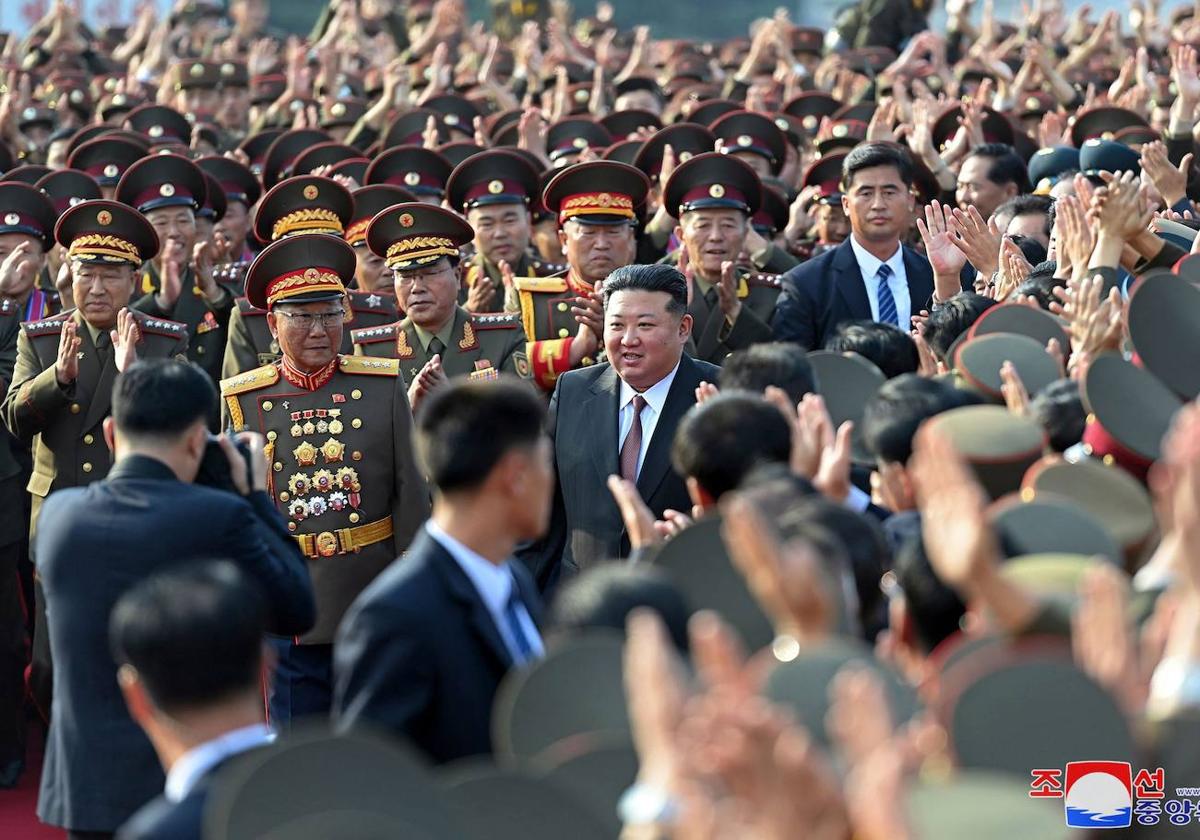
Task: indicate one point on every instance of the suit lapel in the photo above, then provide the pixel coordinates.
(601, 408)
(920, 280)
(464, 592)
(680, 398)
(850, 283)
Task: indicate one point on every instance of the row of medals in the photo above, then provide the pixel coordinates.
(341, 488)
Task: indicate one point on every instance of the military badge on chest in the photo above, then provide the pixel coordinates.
(332, 487)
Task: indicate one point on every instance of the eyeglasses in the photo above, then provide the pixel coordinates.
(306, 320)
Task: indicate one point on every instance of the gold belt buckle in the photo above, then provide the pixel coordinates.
(327, 544)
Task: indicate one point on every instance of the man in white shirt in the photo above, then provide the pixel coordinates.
(422, 650)
(620, 418)
(189, 645)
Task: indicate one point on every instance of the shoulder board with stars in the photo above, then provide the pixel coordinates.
(769, 281)
(159, 326)
(369, 366)
(547, 268)
(496, 320)
(540, 284)
(361, 301)
(250, 381)
(245, 308)
(371, 335)
(46, 326)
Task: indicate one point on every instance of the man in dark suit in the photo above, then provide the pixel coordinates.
(199, 719)
(870, 276)
(100, 540)
(423, 648)
(619, 419)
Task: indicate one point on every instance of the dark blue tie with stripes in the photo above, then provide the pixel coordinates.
(887, 302)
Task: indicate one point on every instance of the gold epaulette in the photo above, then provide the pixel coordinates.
(251, 380)
(371, 335)
(369, 365)
(246, 308)
(496, 320)
(46, 326)
(540, 284)
(160, 326)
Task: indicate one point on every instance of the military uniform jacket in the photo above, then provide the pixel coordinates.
(713, 337)
(251, 344)
(481, 346)
(64, 424)
(207, 325)
(476, 266)
(545, 307)
(343, 473)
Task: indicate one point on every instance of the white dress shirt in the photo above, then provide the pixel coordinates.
(494, 583)
(868, 266)
(655, 397)
(197, 761)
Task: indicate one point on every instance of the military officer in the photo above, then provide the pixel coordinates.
(597, 206)
(178, 283)
(62, 383)
(495, 190)
(438, 339)
(242, 192)
(302, 204)
(421, 171)
(65, 188)
(338, 432)
(27, 219)
(713, 196)
(372, 276)
(106, 159)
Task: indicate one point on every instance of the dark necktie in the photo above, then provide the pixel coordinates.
(710, 297)
(436, 348)
(512, 616)
(632, 446)
(887, 303)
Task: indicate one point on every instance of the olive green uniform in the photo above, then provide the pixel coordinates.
(712, 335)
(207, 324)
(342, 471)
(251, 344)
(479, 345)
(478, 265)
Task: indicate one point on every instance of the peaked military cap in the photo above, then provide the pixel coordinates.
(417, 169)
(825, 173)
(713, 180)
(1097, 155)
(368, 202)
(416, 234)
(105, 158)
(624, 125)
(459, 151)
(305, 268)
(1129, 413)
(27, 210)
(492, 177)
(323, 154)
(30, 174)
(68, 187)
(162, 125)
(281, 156)
(236, 180)
(303, 204)
(600, 192)
(1048, 165)
(686, 141)
(107, 232)
(749, 131)
(1164, 328)
(408, 129)
(1103, 123)
(163, 181)
(809, 107)
(574, 134)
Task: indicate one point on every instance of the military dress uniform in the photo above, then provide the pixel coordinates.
(27, 211)
(239, 185)
(64, 424)
(342, 469)
(530, 265)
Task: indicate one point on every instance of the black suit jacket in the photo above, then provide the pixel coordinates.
(586, 527)
(419, 655)
(829, 289)
(94, 544)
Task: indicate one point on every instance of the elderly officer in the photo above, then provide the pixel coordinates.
(713, 196)
(299, 205)
(495, 191)
(597, 205)
(438, 339)
(62, 384)
(338, 432)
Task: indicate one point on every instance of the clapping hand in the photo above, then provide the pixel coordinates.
(66, 365)
(125, 340)
(430, 377)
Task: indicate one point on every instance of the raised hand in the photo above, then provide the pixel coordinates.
(18, 271)
(589, 313)
(1170, 180)
(942, 249)
(125, 340)
(66, 365)
(1014, 268)
(978, 238)
(638, 519)
(727, 292)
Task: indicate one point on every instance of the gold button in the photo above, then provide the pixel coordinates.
(87, 467)
(268, 405)
(354, 517)
(356, 455)
(76, 408)
(356, 423)
(272, 435)
(356, 394)
(278, 466)
(284, 496)
(562, 307)
(291, 526)
(88, 439)
(199, 351)
(563, 333)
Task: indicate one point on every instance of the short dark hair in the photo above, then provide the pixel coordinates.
(654, 277)
(934, 608)
(891, 418)
(1006, 166)
(953, 318)
(604, 596)
(890, 348)
(782, 364)
(162, 398)
(1033, 251)
(1058, 408)
(721, 440)
(463, 429)
(1039, 284)
(1028, 204)
(193, 633)
(872, 155)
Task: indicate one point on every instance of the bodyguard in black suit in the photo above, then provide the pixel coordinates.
(98, 541)
(870, 276)
(592, 420)
(423, 648)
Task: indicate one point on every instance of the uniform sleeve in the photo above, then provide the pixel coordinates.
(748, 329)
(34, 397)
(410, 500)
(549, 359)
(240, 355)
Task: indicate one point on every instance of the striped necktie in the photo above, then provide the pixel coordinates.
(887, 303)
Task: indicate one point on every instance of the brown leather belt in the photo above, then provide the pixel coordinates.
(344, 540)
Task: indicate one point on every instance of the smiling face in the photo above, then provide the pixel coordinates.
(878, 204)
(595, 251)
(309, 334)
(975, 188)
(712, 237)
(642, 337)
(428, 293)
(101, 291)
(176, 229)
(501, 231)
